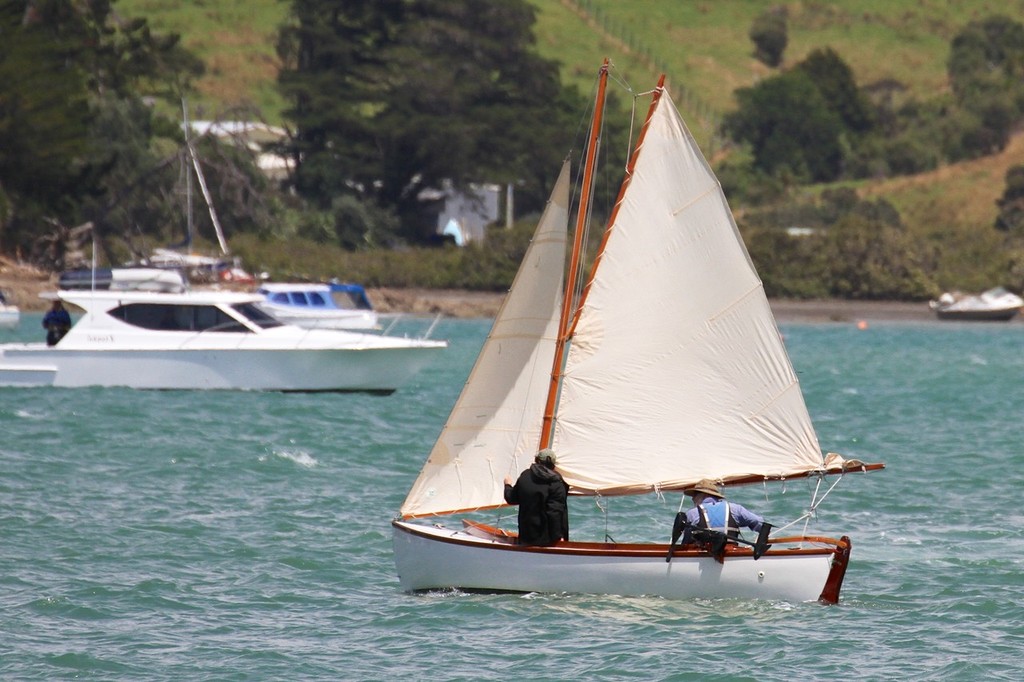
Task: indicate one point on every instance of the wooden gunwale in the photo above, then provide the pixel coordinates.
(504, 541)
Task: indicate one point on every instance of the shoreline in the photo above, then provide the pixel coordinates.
(481, 304)
(457, 303)
(842, 310)
(23, 287)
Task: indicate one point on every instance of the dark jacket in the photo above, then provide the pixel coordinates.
(57, 323)
(542, 496)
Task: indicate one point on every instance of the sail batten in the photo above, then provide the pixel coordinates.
(694, 200)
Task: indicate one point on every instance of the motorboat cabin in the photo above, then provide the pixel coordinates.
(320, 306)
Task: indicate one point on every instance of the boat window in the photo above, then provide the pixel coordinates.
(178, 318)
(256, 315)
(279, 298)
(298, 298)
(316, 299)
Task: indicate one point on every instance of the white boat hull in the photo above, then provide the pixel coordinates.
(994, 305)
(381, 370)
(981, 315)
(207, 340)
(429, 557)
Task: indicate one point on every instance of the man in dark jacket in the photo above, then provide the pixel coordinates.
(56, 322)
(542, 495)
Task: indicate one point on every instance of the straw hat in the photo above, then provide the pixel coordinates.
(706, 486)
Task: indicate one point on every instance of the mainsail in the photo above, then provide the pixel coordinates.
(495, 425)
(677, 370)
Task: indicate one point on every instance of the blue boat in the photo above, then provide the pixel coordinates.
(332, 305)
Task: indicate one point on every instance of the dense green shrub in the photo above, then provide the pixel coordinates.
(855, 249)
(481, 267)
(1011, 203)
(790, 127)
(874, 261)
(745, 184)
(768, 33)
(790, 267)
(834, 80)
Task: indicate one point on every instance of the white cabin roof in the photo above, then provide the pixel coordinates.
(278, 287)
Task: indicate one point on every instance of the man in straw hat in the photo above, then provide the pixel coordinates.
(542, 495)
(711, 511)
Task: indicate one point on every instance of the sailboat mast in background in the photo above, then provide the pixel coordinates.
(193, 159)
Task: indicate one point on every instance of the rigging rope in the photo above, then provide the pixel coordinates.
(815, 503)
(599, 501)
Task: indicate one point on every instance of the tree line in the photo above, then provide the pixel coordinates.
(386, 98)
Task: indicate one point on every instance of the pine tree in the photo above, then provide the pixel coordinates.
(390, 98)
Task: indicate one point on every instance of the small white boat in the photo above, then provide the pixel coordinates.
(319, 306)
(10, 315)
(648, 398)
(207, 340)
(994, 305)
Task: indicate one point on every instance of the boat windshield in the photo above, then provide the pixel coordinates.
(354, 299)
(178, 318)
(256, 315)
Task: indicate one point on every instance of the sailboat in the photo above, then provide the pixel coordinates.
(665, 368)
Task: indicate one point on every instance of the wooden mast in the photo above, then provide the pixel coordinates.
(590, 161)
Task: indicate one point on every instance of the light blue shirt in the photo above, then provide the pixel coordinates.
(741, 516)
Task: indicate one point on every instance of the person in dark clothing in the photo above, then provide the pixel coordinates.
(542, 495)
(56, 322)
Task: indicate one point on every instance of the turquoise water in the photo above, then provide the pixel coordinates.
(245, 536)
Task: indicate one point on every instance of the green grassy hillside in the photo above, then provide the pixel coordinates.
(701, 45)
(236, 38)
(704, 48)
